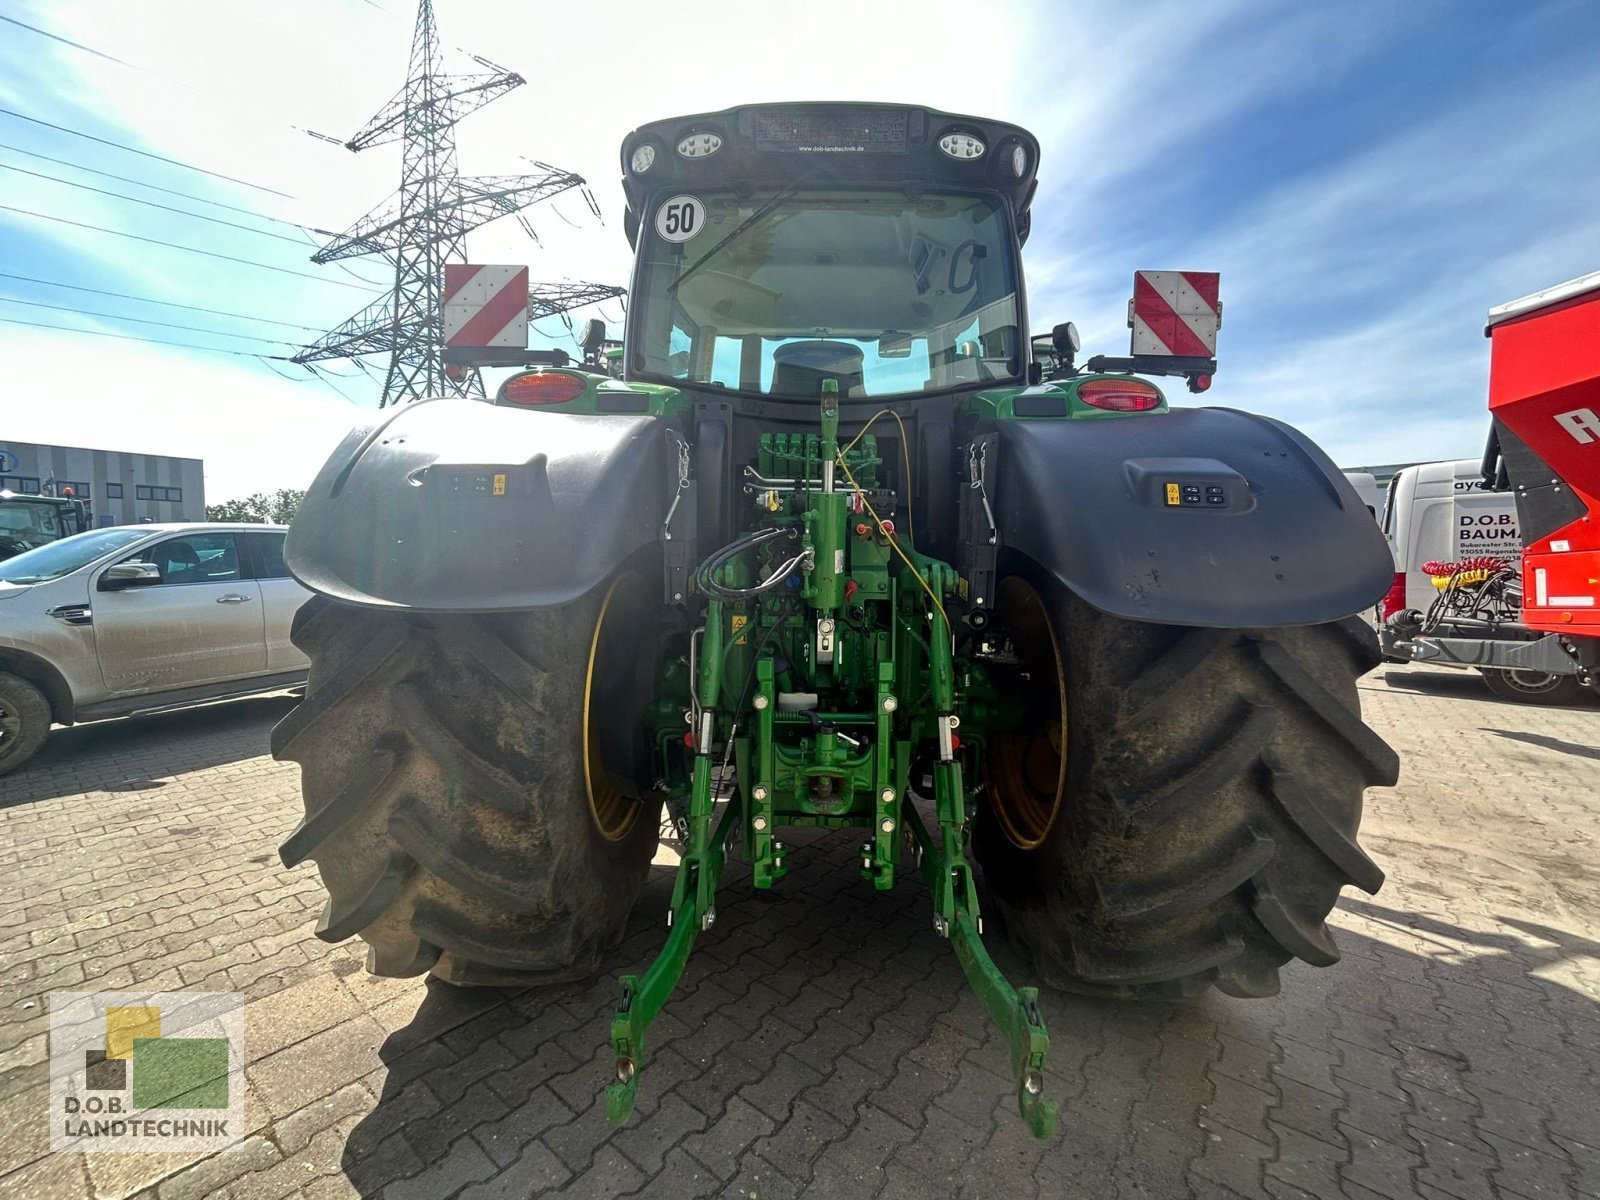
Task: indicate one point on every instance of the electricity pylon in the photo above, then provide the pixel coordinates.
(428, 227)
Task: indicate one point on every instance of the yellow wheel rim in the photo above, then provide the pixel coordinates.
(1028, 771)
(613, 813)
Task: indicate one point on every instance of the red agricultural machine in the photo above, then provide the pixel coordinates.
(1538, 619)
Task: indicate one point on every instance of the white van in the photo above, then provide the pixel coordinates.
(1366, 486)
(1441, 512)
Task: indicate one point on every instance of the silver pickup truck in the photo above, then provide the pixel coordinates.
(138, 618)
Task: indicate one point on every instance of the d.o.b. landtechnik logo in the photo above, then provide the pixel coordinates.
(152, 1071)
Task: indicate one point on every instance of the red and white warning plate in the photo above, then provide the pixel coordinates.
(1175, 313)
(485, 306)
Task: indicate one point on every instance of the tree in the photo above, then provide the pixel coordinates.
(276, 509)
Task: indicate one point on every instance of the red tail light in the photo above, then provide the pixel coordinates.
(1394, 599)
(1120, 395)
(541, 387)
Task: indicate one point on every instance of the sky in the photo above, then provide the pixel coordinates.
(1368, 178)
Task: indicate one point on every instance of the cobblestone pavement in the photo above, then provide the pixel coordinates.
(823, 1041)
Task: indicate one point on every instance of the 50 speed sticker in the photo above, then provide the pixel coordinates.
(680, 218)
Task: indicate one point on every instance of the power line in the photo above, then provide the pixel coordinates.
(305, 231)
(67, 162)
(315, 374)
(144, 153)
(310, 241)
(265, 360)
(151, 300)
(182, 212)
(164, 78)
(84, 312)
(179, 246)
(128, 337)
(56, 37)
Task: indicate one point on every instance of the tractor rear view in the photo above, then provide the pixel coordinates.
(836, 553)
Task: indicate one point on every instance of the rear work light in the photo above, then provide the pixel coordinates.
(1395, 599)
(535, 388)
(1120, 395)
(964, 147)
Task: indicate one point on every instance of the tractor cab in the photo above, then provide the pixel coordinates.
(876, 245)
(29, 521)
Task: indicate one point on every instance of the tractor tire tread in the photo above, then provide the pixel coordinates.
(445, 803)
(1208, 830)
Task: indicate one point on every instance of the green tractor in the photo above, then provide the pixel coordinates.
(28, 521)
(835, 553)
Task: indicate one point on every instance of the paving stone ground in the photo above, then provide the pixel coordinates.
(823, 1041)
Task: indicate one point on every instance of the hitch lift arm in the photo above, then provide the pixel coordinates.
(942, 851)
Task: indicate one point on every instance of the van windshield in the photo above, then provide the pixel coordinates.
(772, 293)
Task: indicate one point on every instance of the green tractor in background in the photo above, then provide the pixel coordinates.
(837, 552)
(29, 520)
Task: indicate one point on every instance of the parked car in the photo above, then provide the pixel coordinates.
(136, 619)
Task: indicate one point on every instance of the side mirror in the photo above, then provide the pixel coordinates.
(129, 574)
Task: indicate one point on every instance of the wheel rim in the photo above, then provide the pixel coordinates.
(1028, 771)
(1534, 683)
(613, 813)
(10, 726)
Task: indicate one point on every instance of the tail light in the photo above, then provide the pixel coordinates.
(1394, 600)
(535, 388)
(1120, 395)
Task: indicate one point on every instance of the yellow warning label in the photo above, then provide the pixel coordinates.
(736, 623)
(1172, 494)
(499, 485)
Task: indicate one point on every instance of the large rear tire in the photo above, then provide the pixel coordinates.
(456, 802)
(1201, 821)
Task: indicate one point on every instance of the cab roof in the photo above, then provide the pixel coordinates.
(829, 144)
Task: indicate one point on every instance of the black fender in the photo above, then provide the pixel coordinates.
(1278, 536)
(458, 505)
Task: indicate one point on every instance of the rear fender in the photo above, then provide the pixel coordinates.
(1278, 537)
(457, 505)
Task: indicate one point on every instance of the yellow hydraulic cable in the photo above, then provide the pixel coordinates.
(905, 459)
(894, 544)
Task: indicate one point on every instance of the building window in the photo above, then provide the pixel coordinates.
(113, 491)
(144, 491)
(28, 485)
(80, 491)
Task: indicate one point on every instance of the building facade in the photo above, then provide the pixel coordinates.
(121, 488)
